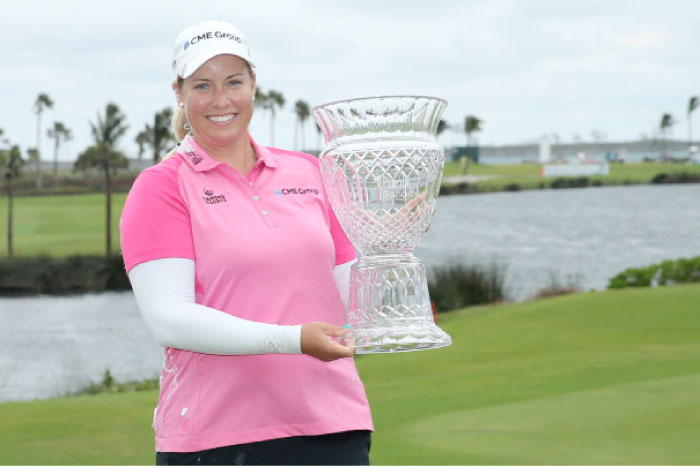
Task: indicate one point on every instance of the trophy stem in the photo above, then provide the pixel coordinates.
(389, 306)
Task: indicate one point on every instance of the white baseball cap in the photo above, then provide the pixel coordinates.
(200, 42)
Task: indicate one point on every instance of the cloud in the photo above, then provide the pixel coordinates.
(526, 68)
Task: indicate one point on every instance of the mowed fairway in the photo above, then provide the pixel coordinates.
(527, 175)
(599, 378)
(61, 225)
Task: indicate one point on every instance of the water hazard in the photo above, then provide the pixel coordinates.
(52, 346)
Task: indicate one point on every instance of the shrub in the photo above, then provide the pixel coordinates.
(676, 178)
(456, 286)
(110, 385)
(75, 274)
(683, 270)
(569, 182)
(557, 287)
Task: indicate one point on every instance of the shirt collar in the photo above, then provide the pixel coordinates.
(264, 154)
(200, 161)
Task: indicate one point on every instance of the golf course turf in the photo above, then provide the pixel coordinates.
(597, 378)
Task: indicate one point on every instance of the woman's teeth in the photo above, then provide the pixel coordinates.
(220, 118)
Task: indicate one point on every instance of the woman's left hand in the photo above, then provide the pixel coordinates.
(317, 341)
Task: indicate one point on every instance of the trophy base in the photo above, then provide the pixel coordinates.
(396, 339)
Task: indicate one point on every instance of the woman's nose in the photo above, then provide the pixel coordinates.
(220, 98)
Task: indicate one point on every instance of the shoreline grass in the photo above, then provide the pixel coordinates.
(64, 225)
(61, 225)
(512, 177)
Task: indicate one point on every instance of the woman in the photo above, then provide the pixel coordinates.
(237, 262)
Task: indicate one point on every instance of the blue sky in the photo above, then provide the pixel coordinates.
(527, 68)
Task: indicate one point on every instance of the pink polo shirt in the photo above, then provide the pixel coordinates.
(264, 248)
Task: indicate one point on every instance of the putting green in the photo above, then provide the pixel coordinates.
(603, 426)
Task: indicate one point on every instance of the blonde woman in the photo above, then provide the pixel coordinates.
(238, 264)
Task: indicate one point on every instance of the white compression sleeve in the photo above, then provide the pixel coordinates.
(164, 291)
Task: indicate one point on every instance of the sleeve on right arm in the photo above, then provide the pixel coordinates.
(155, 222)
(164, 291)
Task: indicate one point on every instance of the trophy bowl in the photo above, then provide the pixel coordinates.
(382, 169)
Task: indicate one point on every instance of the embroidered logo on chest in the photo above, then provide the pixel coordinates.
(211, 199)
(296, 191)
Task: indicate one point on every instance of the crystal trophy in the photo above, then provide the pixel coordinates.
(382, 169)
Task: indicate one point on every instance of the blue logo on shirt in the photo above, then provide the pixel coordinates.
(296, 191)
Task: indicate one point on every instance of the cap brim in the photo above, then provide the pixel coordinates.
(194, 64)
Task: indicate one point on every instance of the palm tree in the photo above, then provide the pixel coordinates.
(318, 136)
(106, 132)
(693, 104)
(59, 133)
(274, 99)
(32, 154)
(11, 163)
(260, 99)
(43, 101)
(442, 126)
(471, 124)
(159, 135)
(666, 125)
(301, 108)
(142, 140)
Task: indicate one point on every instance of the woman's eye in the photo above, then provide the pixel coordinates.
(234, 82)
(201, 86)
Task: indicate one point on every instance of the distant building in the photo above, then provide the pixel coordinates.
(456, 152)
(545, 150)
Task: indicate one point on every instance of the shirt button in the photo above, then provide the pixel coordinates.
(255, 197)
(264, 213)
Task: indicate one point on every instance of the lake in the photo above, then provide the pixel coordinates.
(52, 346)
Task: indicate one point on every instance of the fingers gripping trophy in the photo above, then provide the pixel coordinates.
(382, 169)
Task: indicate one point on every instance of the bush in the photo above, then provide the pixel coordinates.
(569, 182)
(456, 286)
(557, 287)
(683, 270)
(110, 385)
(71, 275)
(676, 178)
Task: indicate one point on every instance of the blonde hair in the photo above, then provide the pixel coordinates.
(180, 119)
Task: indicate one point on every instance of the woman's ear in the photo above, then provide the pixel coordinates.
(176, 90)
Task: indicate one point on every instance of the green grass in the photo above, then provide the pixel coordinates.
(104, 429)
(61, 225)
(527, 175)
(598, 378)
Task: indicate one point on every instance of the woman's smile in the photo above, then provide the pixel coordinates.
(221, 119)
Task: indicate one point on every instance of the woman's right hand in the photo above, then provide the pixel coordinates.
(317, 341)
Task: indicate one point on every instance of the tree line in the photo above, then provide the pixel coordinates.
(107, 131)
(109, 128)
(668, 121)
